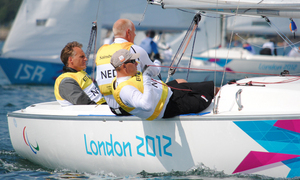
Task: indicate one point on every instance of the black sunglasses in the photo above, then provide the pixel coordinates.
(130, 61)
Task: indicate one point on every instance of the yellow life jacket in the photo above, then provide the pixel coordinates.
(84, 81)
(137, 82)
(105, 71)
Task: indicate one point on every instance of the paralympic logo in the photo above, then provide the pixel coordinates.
(33, 148)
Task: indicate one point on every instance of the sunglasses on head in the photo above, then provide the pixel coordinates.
(130, 61)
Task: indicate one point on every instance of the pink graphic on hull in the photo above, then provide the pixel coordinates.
(258, 159)
(291, 125)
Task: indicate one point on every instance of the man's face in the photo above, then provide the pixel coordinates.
(78, 62)
(131, 68)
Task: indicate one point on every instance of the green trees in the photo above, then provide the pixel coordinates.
(8, 11)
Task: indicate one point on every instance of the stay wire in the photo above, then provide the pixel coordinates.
(195, 36)
(229, 46)
(216, 102)
(258, 46)
(143, 16)
(189, 33)
(281, 34)
(171, 71)
(93, 38)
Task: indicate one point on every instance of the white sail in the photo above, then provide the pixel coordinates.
(42, 28)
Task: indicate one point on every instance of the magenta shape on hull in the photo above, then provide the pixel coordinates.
(291, 125)
(257, 159)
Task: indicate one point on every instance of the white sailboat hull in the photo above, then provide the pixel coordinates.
(238, 63)
(255, 131)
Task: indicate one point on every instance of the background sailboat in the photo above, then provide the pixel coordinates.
(240, 63)
(42, 27)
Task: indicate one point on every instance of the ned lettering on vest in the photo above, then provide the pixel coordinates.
(140, 95)
(75, 86)
(124, 35)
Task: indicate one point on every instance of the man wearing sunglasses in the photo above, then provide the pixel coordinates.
(138, 94)
(124, 33)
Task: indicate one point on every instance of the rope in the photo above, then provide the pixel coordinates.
(237, 72)
(170, 86)
(278, 82)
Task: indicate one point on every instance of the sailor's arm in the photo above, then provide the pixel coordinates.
(134, 98)
(70, 90)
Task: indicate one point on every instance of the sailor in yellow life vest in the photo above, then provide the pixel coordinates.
(124, 34)
(75, 86)
(150, 99)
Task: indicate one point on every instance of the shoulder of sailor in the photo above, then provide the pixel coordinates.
(138, 49)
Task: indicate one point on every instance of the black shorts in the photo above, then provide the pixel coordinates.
(189, 97)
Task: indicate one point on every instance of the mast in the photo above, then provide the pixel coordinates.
(223, 30)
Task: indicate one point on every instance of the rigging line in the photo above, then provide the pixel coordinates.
(231, 37)
(285, 38)
(215, 73)
(143, 16)
(216, 101)
(255, 45)
(94, 55)
(233, 72)
(278, 82)
(203, 14)
(193, 46)
(182, 43)
(227, 16)
(171, 71)
(197, 19)
(97, 10)
(93, 36)
(186, 11)
(164, 84)
(216, 104)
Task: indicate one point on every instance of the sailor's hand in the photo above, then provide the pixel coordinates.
(148, 71)
(158, 62)
(146, 79)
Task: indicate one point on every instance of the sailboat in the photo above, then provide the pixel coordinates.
(252, 127)
(236, 61)
(31, 53)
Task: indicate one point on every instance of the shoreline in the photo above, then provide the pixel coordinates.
(4, 33)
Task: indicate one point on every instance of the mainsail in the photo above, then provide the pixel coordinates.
(42, 28)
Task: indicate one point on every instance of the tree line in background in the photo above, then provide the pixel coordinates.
(8, 11)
